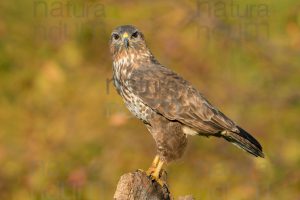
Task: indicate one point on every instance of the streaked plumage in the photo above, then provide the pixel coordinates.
(170, 106)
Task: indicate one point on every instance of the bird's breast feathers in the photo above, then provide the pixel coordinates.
(123, 68)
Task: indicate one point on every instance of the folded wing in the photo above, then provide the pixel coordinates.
(176, 99)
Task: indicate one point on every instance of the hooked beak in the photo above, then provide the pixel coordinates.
(125, 39)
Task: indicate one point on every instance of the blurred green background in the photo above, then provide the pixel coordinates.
(65, 133)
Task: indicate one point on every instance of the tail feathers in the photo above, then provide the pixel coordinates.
(245, 141)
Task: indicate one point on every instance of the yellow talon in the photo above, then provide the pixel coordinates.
(153, 165)
(154, 172)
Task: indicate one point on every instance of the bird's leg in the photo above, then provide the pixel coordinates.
(153, 165)
(154, 172)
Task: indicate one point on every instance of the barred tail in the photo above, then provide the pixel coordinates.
(245, 141)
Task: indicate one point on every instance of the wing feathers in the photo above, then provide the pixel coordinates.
(175, 98)
(245, 141)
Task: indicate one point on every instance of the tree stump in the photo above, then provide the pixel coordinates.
(137, 185)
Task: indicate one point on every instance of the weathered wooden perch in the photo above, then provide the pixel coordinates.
(137, 185)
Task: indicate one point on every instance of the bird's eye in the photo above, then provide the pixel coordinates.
(115, 36)
(135, 34)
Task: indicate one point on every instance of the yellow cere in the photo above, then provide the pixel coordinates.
(125, 35)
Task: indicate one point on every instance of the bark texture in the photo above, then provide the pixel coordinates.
(138, 186)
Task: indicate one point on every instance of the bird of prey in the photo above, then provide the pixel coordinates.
(169, 106)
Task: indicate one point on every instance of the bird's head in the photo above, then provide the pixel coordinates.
(126, 38)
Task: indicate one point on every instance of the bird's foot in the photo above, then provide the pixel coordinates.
(141, 170)
(150, 171)
(155, 173)
(155, 177)
(159, 181)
